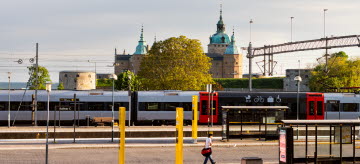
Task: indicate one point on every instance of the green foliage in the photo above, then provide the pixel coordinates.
(342, 72)
(60, 86)
(42, 78)
(176, 64)
(260, 83)
(123, 82)
(104, 83)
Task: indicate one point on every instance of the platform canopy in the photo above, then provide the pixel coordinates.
(327, 122)
(256, 107)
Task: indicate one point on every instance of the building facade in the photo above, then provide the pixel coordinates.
(226, 60)
(77, 80)
(290, 84)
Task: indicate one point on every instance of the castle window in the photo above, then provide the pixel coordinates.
(236, 63)
(77, 75)
(65, 75)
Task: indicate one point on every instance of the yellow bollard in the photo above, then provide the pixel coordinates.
(195, 118)
(122, 135)
(179, 135)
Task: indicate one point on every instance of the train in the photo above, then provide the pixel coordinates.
(158, 107)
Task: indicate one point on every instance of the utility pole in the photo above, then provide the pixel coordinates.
(291, 30)
(9, 76)
(36, 81)
(250, 66)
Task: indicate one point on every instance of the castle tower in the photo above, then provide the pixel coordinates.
(141, 49)
(220, 40)
(232, 61)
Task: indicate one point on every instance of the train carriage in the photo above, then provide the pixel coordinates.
(158, 107)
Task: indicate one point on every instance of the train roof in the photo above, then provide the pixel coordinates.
(55, 95)
(168, 93)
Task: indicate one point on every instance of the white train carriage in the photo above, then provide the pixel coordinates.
(342, 105)
(159, 106)
(89, 103)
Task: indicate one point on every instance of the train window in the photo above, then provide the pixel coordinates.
(332, 106)
(311, 107)
(350, 107)
(121, 104)
(170, 106)
(187, 106)
(2, 106)
(204, 105)
(152, 106)
(319, 111)
(41, 106)
(92, 106)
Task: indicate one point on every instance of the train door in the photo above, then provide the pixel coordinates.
(315, 106)
(206, 102)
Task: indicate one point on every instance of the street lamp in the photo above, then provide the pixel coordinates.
(324, 21)
(129, 84)
(113, 77)
(9, 76)
(48, 89)
(298, 79)
(291, 30)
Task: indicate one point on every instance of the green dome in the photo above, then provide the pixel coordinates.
(220, 38)
(141, 48)
(232, 48)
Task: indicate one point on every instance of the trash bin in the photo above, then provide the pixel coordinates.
(87, 118)
(251, 160)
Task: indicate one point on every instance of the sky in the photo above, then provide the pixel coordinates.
(72, 33)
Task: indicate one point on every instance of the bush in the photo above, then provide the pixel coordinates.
(261, 83)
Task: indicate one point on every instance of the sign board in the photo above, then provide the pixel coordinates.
(282, 143)
(67, 99)
(286, 148)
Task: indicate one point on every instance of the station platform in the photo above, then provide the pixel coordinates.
(38, 132)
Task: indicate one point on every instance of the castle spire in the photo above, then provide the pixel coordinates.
(142, 35)
(220, 11)
(220, 24)
(141, 48)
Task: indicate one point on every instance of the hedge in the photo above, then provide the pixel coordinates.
(261, 83)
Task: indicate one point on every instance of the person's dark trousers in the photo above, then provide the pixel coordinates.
(209, 157)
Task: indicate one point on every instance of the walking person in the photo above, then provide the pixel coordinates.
(207, 148)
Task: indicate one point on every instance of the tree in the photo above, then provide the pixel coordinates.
(342, 72)
(60, 86)
(176, 64)
(126, 78)
(43, 77)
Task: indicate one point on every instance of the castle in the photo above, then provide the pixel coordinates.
(226, 59)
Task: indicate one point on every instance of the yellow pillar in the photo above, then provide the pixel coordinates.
(122, 135)
(195, 118)
(179, 136)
